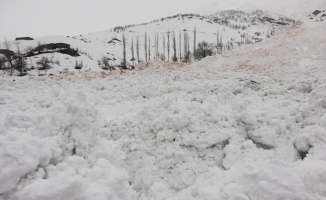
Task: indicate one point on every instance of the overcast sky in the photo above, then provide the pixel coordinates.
(36, 18)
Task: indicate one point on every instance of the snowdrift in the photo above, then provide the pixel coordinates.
(249, 124)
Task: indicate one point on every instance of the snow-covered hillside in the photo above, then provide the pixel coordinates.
(235, 28)
(297, 9)
(318, 15)
(247, 124)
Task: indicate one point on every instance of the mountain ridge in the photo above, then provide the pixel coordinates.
(298, 9)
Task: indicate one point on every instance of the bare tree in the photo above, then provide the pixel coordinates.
(137, 49)
(149, 47)
(157, 53)
(44, 62)
(168, 33)
(7, 45)
(180, 45)
(155, 49)
(145, 46)
(185, 49)
(229, 45)
(174, 49)
(132, 53)
(124, 61)
(195, 35)
(163, 55)
(19, 63)
(217, 40)
(221, 44)
(39, 44)
(186, 46)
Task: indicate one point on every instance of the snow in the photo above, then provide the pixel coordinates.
(248, 124)
(93, 46)
(297, 9)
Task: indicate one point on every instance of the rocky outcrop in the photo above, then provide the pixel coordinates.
(316, 12)
(6, 52)
(53, 47)
(24, 38)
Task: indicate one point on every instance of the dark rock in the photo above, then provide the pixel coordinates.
(303, 155)
(24, 38)
(7, 52)
(47, 48)
(316, 12)
(282, 23)
(52, 46)
(113, 40)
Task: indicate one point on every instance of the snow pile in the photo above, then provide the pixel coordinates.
(250, 124)
(53, 152)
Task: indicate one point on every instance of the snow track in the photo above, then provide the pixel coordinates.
(250, 124)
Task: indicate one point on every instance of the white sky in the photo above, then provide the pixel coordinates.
(36, 18)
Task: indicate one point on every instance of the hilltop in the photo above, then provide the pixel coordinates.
(298, 9)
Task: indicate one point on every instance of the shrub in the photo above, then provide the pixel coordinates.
(3, 63)
(20, 65)
(105, 63)
(162, 57)
(257, 33)
(79, 65)
(204, 49)
(44, 62)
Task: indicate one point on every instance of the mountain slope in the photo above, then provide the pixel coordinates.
(235, 28)
(297, 9)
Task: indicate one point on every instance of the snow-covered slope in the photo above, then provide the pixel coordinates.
(302, 8)
(235, 28)
(249, 124)
(318, 16)
(297, 9)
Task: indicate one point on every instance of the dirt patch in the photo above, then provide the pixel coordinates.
(150, 67)
(161, 64)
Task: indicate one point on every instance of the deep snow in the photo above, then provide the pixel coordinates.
(250, 124)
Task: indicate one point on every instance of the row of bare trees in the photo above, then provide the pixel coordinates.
(169, 45)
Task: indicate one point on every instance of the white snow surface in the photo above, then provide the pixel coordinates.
(298, 9)
(228, 127)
